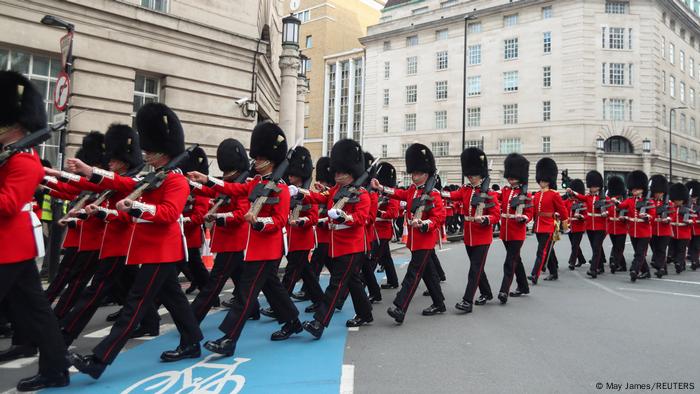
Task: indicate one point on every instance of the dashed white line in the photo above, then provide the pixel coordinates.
(677, 281)
(20, 362)
(605, 288)
(347, 379)
(353, 328)
(444, 250)
(660, 292)
(99, 333)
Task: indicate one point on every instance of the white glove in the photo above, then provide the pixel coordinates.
(293, 190)
(403, 204)
(335, 213)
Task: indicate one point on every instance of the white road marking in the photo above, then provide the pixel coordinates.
(660, 292)
(353, 328)
(677, 281)
(162, 311)
(20, 362)
(347, 379)
(99, 333)
(603, 287)
(444, 250)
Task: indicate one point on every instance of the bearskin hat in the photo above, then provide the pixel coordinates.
(659, 184)
(637, 180)
(92, 151)
(122, 143)
(594, 179)
(268, 141)
(419, 158)
(386, 174)
(231, 156)
(678, 192)
(20, 102)
(160, 130)
(323, 170)
(474, 162)
(197, 161)
(578, 186)
(616, 187)
(301, 164)
(693, 188)
(546, 170)
(347, 157)
(516, 166)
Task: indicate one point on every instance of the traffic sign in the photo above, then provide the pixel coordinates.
(60, 93)
(66, 48)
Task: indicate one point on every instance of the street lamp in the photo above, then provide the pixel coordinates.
(646, 145)
(467, 18)
(290, 31)
(670, 137)
(51, 20)
(600, 144)
(303, 65)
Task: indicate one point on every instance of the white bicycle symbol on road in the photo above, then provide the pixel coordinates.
(164, 382)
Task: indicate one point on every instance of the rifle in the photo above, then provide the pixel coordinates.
(522, 201)
(154, 179)
(663, 210)
(643, 205)
(350, 193)
(424, 202)
(261, 192)
(479, 200)
(80, 203)
(297, 202)
(223, 199)
(108, 194)
(577, 207)
(602, 206)
(28, 141)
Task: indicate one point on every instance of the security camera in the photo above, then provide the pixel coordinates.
(242, 101)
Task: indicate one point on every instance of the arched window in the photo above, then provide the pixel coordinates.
(620, 145)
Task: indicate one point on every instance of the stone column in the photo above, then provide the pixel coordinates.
(302, 90)
(289, 66)
(600, 161)
(646, 163)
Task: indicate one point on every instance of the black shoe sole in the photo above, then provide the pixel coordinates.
(218, 351)
(170, 360)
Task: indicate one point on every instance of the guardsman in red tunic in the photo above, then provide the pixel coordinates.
(369, 265)
(230, 231)
(641, 213)
(617, 228)
(156, 241)
(548, 207)
(22, 111)
(320, 256)
(596, 218)
(481, 211)
(577, 223)
(661, 226)
(347, 219)
(422, 232)
(387, 212)
(516, 211)
(694, 246)
(264, 242)
(680, 226)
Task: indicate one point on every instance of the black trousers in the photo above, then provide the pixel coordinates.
(640, 246)
(153, 280)
(225, 264)
(369, 265)
(513, 265)
(545, 255)
(63, 276)
(320, 258)
(677, 249)
(659, 251)
(86, 265)
(345, 274)
(200, 275)
(596, 238)
(694, 250)
(477, 276)
(617, 252)
(383, 256)
(420, 267)
(438, 266)
(30, 313)
(257, 276)
(576, 253)
(108, 273)
(298, 266)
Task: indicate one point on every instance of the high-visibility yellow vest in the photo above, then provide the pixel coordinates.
(46, 213)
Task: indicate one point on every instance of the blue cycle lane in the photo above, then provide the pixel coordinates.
(300, 364)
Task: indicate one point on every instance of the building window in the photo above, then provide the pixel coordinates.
(546, 145)
(447, 3)
(441, 34)
(547, 76)
(619, 145)
(691, 128)
(420, 10)
(474, 27)
(441, 59)
(683, 123)
(474, 116)
(404, 147)
(673, 121)
(309, 41)
(307, 64)
(663, 81)
(691, 67)
(406, 179)
(617, 109)
(509, 145)
(385, 124)
(441, 90)
(411, 94)
(440, 120)
(387, 45)
(616, 7)
(385, 151)
(547, 12)
(672, 86)
(357, 102)
(157, 5)
(474, 54)
(387, 70)
(474, 85)
(145, 91)
(671, 53)
(386, 97)
(510, 20)
(693, 156)
(440, 148)
(691, 97)
(344, 95)
(617, 74)
(510, 114)
(674, 151)
(684, 153)
(330, 134)
(510, 81)
(547, 42)
(474, 144)
(410, 122)
(303, 16)
(682, 91)
(616, 38)
(546, 111)
(411, 41)
(412, 65)
(681, 60)
(510, 48)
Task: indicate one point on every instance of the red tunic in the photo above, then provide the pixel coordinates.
(19, 177)
(545, 205)
(195, 209)
(616, 226)
(593, 222)
(696, 223)
(72, 237)
(323, 234)
(231, 236)
(576, 225)
(659, 228)
(418, 240)
(302, 238)
(476, 234)
(635, 227)
(388, 210)
(512, 229)
(370, 235)
(679, 228)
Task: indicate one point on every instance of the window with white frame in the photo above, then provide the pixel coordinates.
(684, 153)
(474, 85)
(440, 148)
(671, 53)
(674, 151)
(404, 147)
(441, 90)
(387, 45)
(441, 60)
(386, 97)
(510, 81)
(385, 124)
(440, 120)
(510, 114)
(691, 128)
(447, 3)
(693, 156)
(616, 38)
(547, 12)
(307, 64)
(411, 41)
(683, 124)
(157, 5)
(387, 70)
(617, 109)
(309, 41)
(616, 7)
(663, 81)
(474, 27)
(546, 111)
(474, 54)
(303, 16)
(617, 74)
(547, 42)
(691, 67)
(510, 48)
(673, 121)
(681, 91)
(357, 100)
(474, 116)
(411, 94)
(672, 86)
(547, 76)
(344, 95)
(546, 145)
(385, 151)
(691, 97)
(146, 90)
(681, 60)
(412, 65)
(410, 122)
(406, 179)
(510, 20)
(441, 34)
(474, 144)
(330, 130)
(509, 145)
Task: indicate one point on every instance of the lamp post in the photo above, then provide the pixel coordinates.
(289, 66)
(670, 137)
(467, 18)
(302, 90)
(600, 155)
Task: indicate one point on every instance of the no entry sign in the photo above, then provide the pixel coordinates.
(60, 93)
